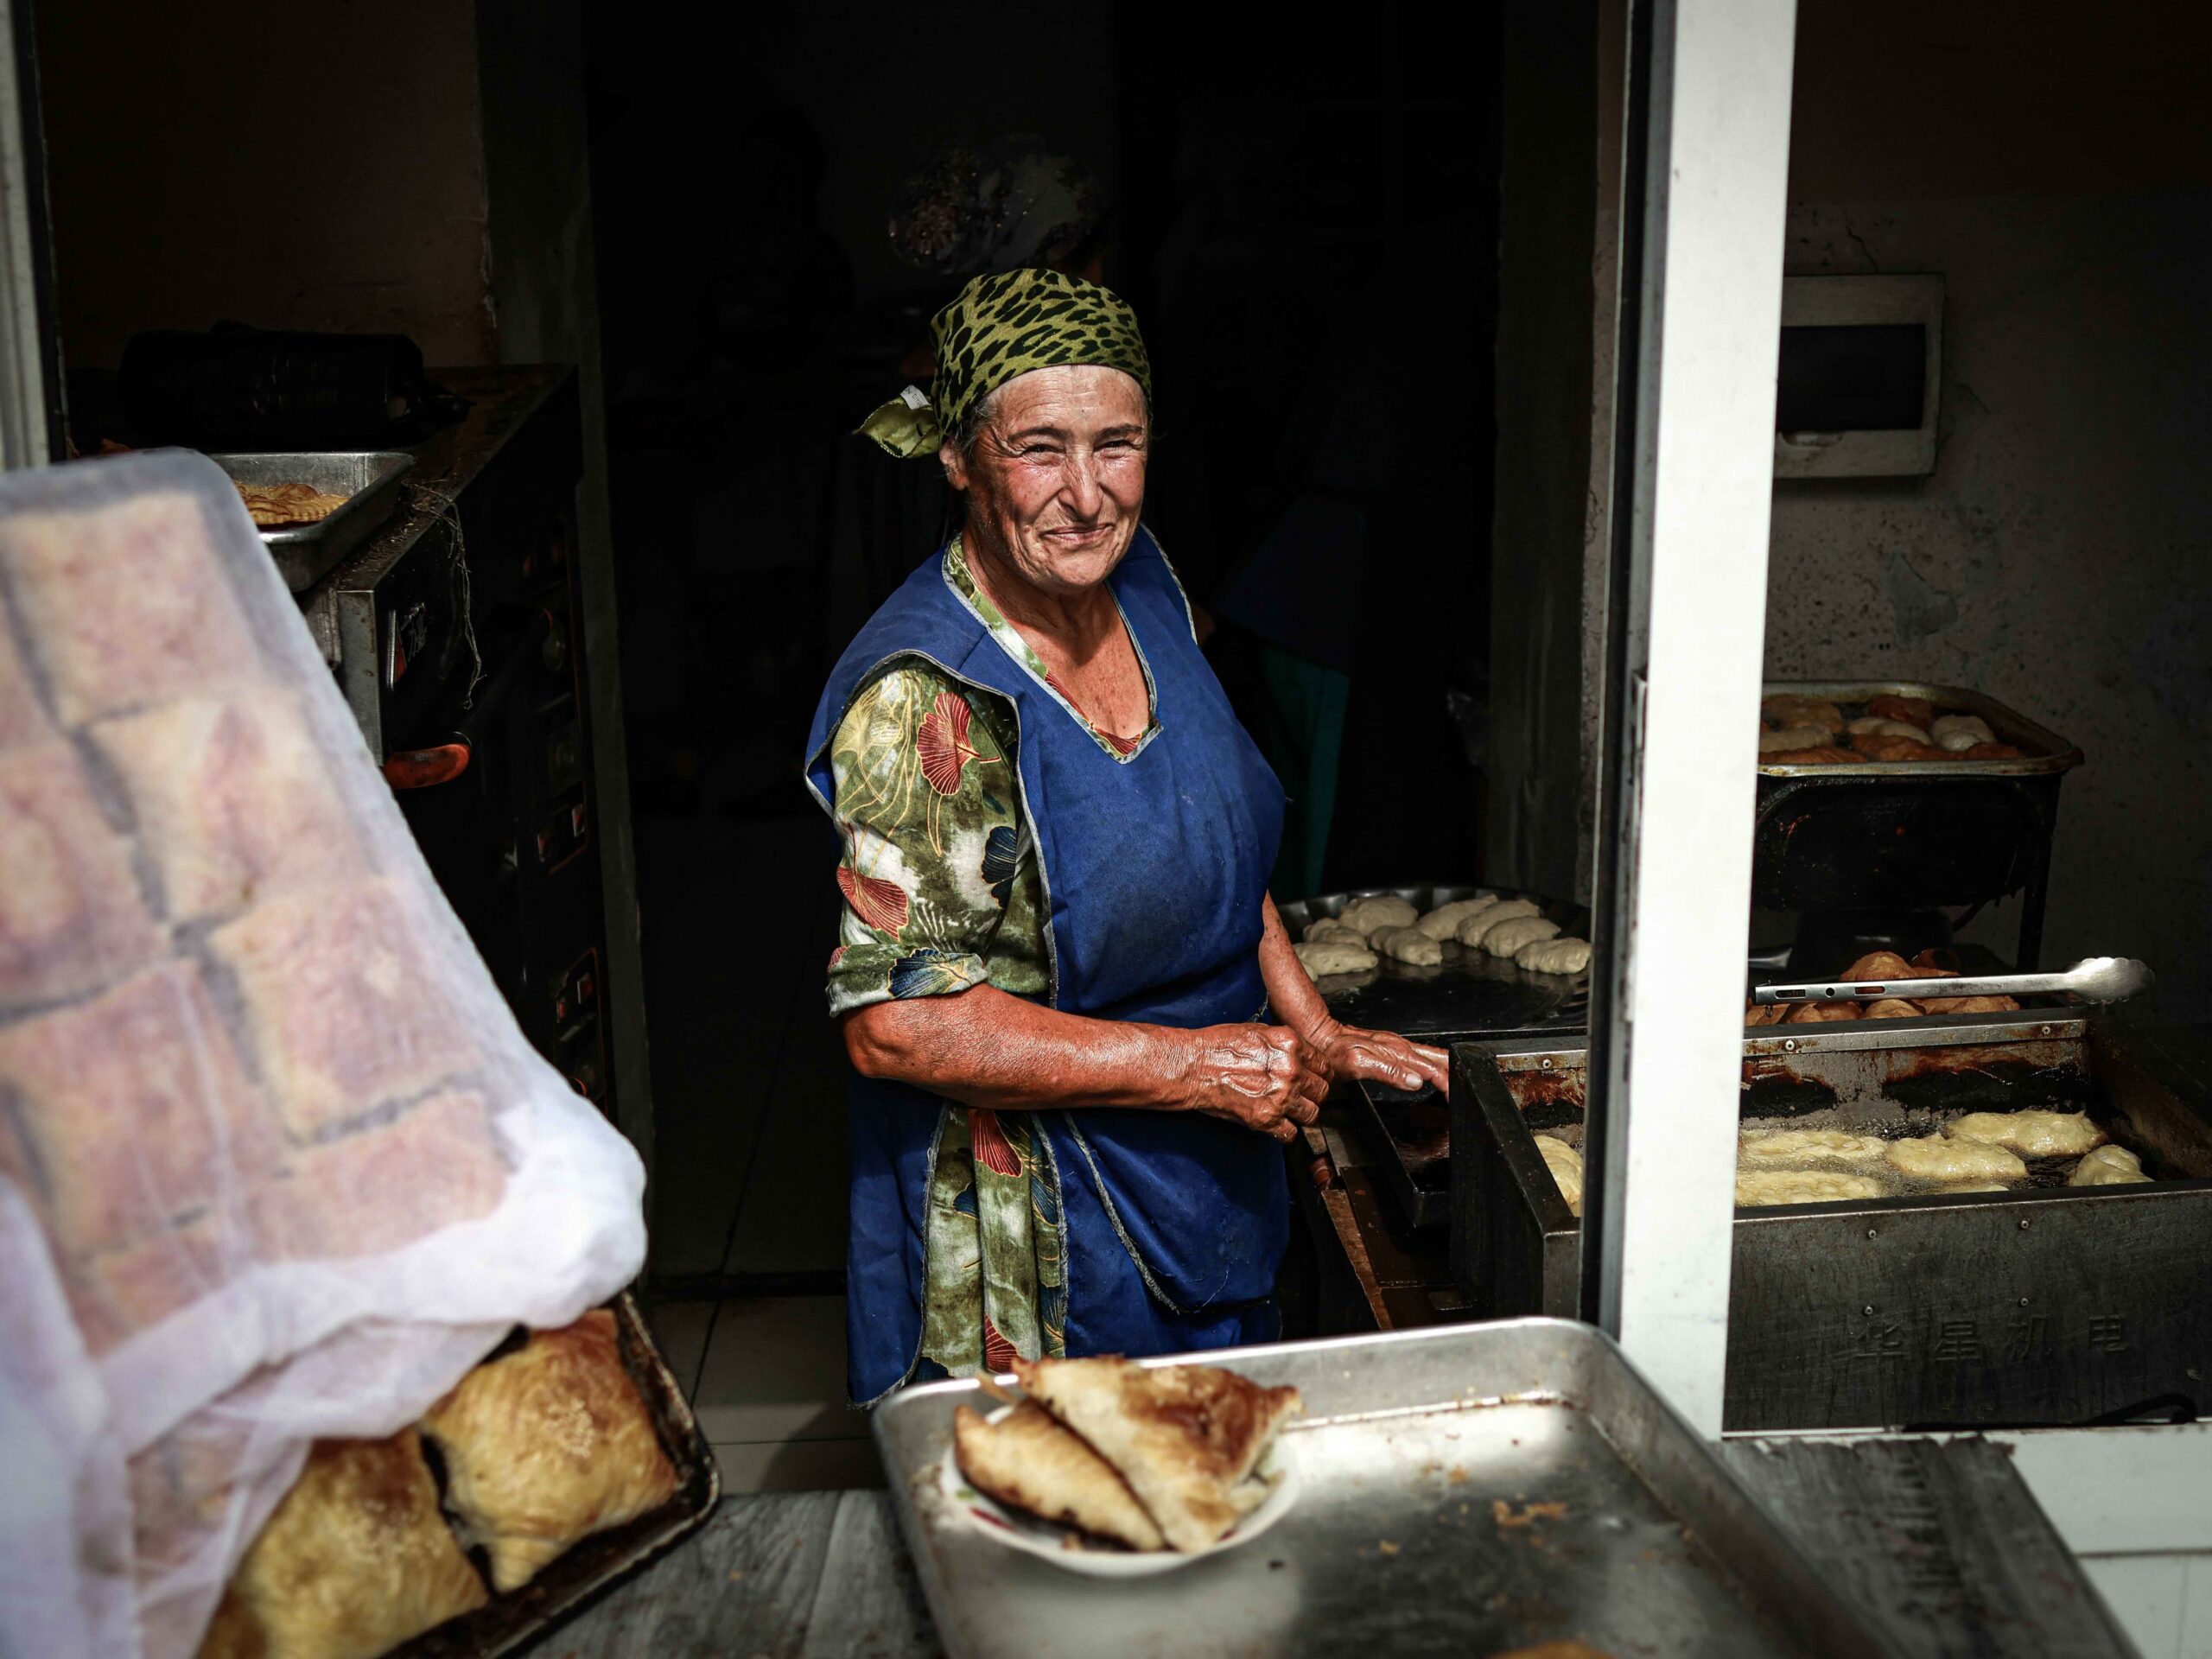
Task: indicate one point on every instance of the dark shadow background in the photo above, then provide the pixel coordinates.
(1306, 225)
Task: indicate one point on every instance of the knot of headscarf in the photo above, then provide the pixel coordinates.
(1001, 326)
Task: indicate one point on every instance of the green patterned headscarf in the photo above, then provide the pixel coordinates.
(1002, 325)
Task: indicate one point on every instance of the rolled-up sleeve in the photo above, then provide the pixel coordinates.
(925, 805)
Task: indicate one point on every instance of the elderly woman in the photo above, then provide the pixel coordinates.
(1059, 961)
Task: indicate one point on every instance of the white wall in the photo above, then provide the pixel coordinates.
(2057, 559)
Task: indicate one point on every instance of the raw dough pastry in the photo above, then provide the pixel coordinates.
(1876, 724)
(1443, 922)
(1566, 1166)
(126, 606)
(1790, 737)
(1335, 956)
(2107, 1166)
(1960, 732)
(70, 915)
(1913, 711)
(344, 1006)
(1553, 956)
(1755, 1186)
(174, 1114)
(1819, 1013)
(1364, 915)
(1328, 927)
(233, 800)
(1473, 928)
(1029, 1460)
(1773, 1146)
(1408, 944)
(1508, 935)
(1937, 1158)
(2032, 1134)
(435, 1164)
(1183, 1436)
(1789, 708)
(355, 1560)
(547, 1446)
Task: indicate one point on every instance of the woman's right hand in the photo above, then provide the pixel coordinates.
(1264, 1077)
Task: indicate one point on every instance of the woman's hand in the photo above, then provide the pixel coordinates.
(1345, 1052)
(1262, 1076)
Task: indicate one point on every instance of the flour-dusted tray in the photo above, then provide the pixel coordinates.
(368, 479)
(1430, 1463)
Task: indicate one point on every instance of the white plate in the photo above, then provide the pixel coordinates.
(1079, 1551)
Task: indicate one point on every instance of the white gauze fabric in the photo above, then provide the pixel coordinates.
(276, 1162)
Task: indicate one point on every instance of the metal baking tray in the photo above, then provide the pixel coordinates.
(2047, 752)
(2042, 1306)
(1466, 992)
(510, 1623)
(1420, 1455)
(369, 478)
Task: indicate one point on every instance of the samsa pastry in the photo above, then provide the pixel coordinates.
(2030, 1134)
(1772, 740)
(1553, 956)
(1815, 1013)
(1030, 1460)
(1913, 711)
(1408, 944)
(1780, 1146)
(1938, 1158)
(71, 918)
(1826, 755)
(435, 1165)
(1764, 1186)
(354, 1561)
(1509, 935)
(1364, 915)
(22, 723)
(1788, 709)
(1326, 929)
(548, 1445)
(1327, 956)
(1443, 922)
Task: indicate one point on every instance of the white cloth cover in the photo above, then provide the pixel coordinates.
(276, 1162)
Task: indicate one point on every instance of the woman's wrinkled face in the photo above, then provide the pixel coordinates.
(1055, 482)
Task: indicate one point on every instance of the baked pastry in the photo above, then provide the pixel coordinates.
(126, 606)
(114, 1294)
(1876, 966)
(1764, 1013)
(1827, 755)
(22, 723)
(1881, 746)
(1760, 1186)
(233, 800)
(1183, 1436)
(548, 1445)
(355, 1560)
(272, 505)
(1960, 732)
(344, 1004)
(1875, 724)
(1408, 944)
(1030, 1460)
(1508, 937)
(1443, 922)
(1790, 737)
(1818, 1013)
(176, 1123)
(1939, 1158)
(1779, 1146)
(1566, 1166)
(1913, 711)
(1562, 956)
(2108, 1166)
(1364, 915)
(1890, 1007)
(438, 1163)
(1999, 1004)
(1788, 709)
(2030, 1134)
(1473, 928)
(70, 915)
(1325, 956)
(1989, 751)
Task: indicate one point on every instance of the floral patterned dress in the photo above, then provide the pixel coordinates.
(942, 892)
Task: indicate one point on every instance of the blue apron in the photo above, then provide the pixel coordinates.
(1155, 868)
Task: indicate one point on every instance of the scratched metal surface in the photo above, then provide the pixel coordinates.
(1421, 1457)
(2045, 1305)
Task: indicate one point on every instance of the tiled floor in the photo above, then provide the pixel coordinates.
(766, 1377)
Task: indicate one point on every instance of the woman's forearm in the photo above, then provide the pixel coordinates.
(984, 1047)
(1291, 994)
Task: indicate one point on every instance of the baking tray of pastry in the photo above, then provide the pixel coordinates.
(512, 1621)
(368, 479)
(2043, 753)
(1468, 992)
(1462, 1489)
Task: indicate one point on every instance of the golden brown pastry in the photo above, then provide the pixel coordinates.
(355, 1560)
(232, 800)
(548, 1445)
(1764, 1013)
(1787, 709)
(1891, 1007)
(1913, 711)
(1967, 1004)
(127, 606)
(70, 915)
(177, 1119)
(1183, 1436)
(1814, 1013)
(1828, 756)
(114, 1294)
(1030, 1460)
(1879, 965)
(343, 1001)
(272, 505)
(436, 1164)
(1989, 752)
(1882, 745)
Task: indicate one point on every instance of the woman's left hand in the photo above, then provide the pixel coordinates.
(1352, 1052)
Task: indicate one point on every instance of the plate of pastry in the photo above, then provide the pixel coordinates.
(1122, 1471)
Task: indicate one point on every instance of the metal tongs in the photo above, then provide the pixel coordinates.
(2093, 979)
